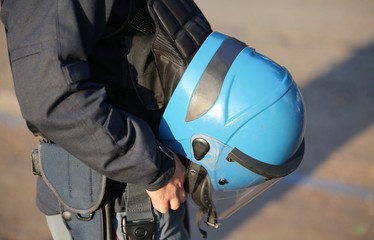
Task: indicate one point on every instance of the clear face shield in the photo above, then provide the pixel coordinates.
(221, 180)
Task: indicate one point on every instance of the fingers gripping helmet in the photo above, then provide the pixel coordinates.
(239, 118)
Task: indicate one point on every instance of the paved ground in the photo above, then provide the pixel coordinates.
(328, 46)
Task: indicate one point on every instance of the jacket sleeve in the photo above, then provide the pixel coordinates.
(49, 42)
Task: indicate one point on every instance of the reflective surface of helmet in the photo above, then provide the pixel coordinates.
(239, 118)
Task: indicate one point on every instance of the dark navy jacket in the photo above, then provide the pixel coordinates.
(72, 68)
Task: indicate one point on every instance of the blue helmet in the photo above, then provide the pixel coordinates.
(239, 118)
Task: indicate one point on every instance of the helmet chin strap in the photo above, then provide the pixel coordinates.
(198, 185)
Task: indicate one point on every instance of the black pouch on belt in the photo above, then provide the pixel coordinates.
(81, 191)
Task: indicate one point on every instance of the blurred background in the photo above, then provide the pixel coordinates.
(328, 46)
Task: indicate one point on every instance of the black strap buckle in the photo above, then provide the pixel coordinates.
(138, 230)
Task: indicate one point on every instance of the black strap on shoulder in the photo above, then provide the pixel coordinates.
(134, 14)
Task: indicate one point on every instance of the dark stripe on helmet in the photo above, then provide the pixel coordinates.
(268, 171)
(210, 84)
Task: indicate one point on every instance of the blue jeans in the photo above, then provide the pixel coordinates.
(170, 226)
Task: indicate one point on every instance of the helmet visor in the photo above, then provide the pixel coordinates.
(228, 202)
(229, 178)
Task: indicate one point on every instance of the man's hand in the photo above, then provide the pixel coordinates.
(172, 194)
